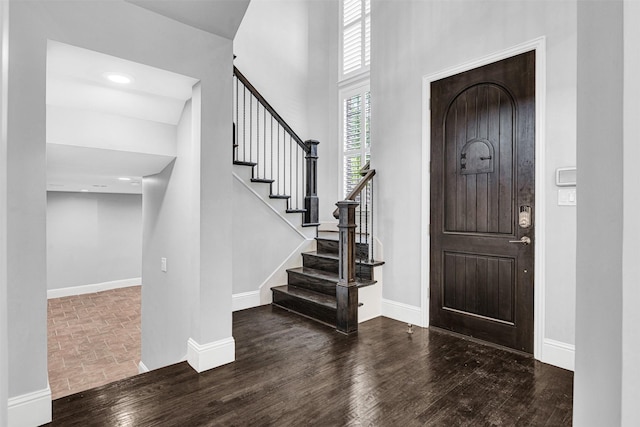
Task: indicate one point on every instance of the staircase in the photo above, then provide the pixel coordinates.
(311, 289)
(326, 287)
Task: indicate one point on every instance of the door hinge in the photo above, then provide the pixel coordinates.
(429, 103)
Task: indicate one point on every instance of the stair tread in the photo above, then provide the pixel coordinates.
(336, 257)
(296, 210)
(279, 196)
(335, 233)
(336, 240)
(263, 180)
(316, 297)
(327, 275)
(241, 163)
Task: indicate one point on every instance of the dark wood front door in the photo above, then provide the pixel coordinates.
(482, 177)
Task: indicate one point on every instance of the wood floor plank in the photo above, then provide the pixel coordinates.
(291, 371)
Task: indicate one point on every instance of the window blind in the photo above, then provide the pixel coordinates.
(356, 138)
(356, 35)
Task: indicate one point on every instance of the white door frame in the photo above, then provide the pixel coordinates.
(539, 45)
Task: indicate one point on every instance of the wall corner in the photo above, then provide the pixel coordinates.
(203, 357)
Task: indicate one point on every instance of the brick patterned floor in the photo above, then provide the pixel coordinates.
(94, 339)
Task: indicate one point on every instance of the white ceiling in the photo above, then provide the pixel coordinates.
(72, 168)
(75, 80)
(220, 17)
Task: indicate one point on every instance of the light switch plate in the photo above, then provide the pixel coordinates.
(567, 197)
(163, 264)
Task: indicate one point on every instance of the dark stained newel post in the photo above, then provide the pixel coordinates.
(346, 289)
(311, 196)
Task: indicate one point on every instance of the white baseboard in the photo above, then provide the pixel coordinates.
(96, 287)
(142, 368)
(245, 300)
(211, 355)
(558, 353)
(402, 312)
(31, 409)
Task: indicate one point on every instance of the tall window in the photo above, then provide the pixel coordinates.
(356, 36)
(356, 135)
(355, 97)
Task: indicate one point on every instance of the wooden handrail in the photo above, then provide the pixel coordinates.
(365, 168)
(358, 188)
(270, 109)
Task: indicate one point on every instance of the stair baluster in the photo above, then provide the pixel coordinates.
(272, 147)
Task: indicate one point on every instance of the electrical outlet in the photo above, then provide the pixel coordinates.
(163, 264)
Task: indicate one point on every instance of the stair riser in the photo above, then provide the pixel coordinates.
(304, 307)
(332, 265)
(331, 247)
(312, 283)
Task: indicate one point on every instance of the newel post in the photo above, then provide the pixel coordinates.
(311, 196)
(346, 289)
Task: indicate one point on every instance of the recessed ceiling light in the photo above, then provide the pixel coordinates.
(122, 178)
(84, 191)
(120, 78)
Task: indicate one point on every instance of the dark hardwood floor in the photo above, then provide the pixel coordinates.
(293, 371)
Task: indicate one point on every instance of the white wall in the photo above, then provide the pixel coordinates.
(262, 240)
(85, 128)
(631, 235)
(126, 31)
(323, 109)
(288, 49)
(93, 238)
(598, 370)
(4, 371)
(272, 51)
(169, 224)
(414, 39)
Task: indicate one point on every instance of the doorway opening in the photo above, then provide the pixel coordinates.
(537, 45)
(110, 123)
(483, 193)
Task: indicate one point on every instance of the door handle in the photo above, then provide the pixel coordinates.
(524, 240)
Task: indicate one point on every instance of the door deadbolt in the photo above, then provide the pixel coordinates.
(524, 217)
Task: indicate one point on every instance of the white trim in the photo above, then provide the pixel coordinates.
(331, 226)
(279, 275)
(210, 355)
(371, 299)
(31, 409)
(539, 45)
(355, 80)
(142, 368)
(4, 99)
(558, 354)
(245, 300)
(401, 312)
(248, 187)
(96, 287)
(293, 253)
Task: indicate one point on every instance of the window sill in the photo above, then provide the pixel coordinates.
(354, 79)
